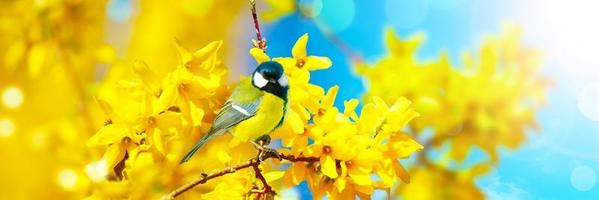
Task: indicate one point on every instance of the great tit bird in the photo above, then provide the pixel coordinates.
(256, 107)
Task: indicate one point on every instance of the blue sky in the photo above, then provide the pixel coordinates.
(560, 160)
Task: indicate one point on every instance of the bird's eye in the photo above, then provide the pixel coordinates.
(259, 80)
(283, 81)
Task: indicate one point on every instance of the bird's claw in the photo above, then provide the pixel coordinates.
(266, 153)
(263, 140)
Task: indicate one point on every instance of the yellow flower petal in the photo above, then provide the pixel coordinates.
(328, 120)
(295, 122)
(315, 132)
(329, 98)
(184, 53)
(367, 157)
(380, 104)
(147, 76)
(369, 119)
(235, 141)
(205, 52)
(114, 154)
(404, 145)
(317, 62)
(201, 87)
(401, 172)
(340, 182)
(196, 114)
(223, 157)
(169, 95)
(298, 173)
(400, 115)
(300, 77)
(259, 55)
(288, 65)
(273, 176)
(300, 143)
(386, 174)
(109, 134)
(366, 189)
(361, 178)
(403, 47)
(106, 108)
(158, 143)
(328, 166)
(299, 49)
(37, 58)
(350, 108)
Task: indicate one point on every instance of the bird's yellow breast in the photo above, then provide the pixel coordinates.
(270, 113)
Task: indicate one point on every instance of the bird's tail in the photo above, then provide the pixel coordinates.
(205, 138)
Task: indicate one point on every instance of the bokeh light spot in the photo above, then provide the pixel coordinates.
(311, 8)
(96, 171)
(119, 10)
(583, 178)
(67, 178)
(290, 193)
(587, 101)
(406, 13)
(337, 14)
(7, 127)
(12, 97)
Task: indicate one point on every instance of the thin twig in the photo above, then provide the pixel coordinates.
(205, 177)
(254, 163)
(266, 188)
(259, 42)
(292, 158)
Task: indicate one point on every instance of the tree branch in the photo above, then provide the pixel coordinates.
(266, 189)
(254, 163)
(259, 42)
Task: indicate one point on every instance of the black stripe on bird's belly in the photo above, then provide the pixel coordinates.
(284, 113)
(280, 92)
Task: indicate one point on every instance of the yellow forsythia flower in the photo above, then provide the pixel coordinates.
(351, 148)
(157, 117)
(487, 103)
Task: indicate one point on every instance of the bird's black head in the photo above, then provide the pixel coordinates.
(270, 77)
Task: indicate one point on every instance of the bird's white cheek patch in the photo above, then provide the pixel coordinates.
(259, 80)
(283, 81)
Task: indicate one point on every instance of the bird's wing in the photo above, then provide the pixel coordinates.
(234, 112)
(231, 114)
